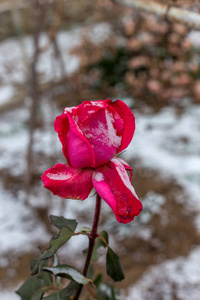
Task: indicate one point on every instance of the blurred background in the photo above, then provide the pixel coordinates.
(55, 54)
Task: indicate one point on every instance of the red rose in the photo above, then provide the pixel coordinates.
(91, 134)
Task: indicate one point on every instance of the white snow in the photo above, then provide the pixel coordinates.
(96, 103)
(194, 37)
(14, 235)
(105, 132)
(114, 139)
(170, 143)
(12, 63)
(69, 109)
(180, 277)
(6, 94)
(99, 177)
(100, 33)
(59, 176)
(6, 295)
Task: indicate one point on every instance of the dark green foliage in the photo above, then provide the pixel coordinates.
(105, 291)
(99, 243)
(54, 296)
(113, 266)
(69, 290)
(67, 228)
(32, 289)
(69, 272)
(65, 293)
(112, 67)
(62, 222)
(47, 282)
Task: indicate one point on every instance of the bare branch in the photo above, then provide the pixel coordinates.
(33, 90)
(175, 14)
(10, 5)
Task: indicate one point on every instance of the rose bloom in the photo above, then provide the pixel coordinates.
(91, 135)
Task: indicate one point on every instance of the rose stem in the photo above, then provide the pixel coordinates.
(92, 238)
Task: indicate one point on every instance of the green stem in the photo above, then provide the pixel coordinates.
(92, 239)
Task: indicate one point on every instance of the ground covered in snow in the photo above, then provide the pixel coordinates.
(165, 150)
(160, 249)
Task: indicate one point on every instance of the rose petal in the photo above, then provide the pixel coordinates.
(61, 126)
(127, 167)
(113, 185)
(68, 182)
(129, 123)
(103, 189)
(94, 131)
(76, 148)
(86, 108)
(79, 151)
(102, 136)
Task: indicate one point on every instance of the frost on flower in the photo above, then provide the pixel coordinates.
(91, 134)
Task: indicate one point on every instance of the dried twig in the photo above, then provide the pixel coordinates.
(33, 90)
(175, 14)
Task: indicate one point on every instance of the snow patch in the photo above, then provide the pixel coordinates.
(96, 103)
(59, 176)
(6, 94)
(178, 278)
(99, 177)
(100, 33)
(194, 37)
(105, 133)
(170, 143)
(18, 228)
(69, 109)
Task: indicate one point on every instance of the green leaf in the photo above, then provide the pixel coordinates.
(31, 289)
(37, 295)
(46, 278)
(54, 296)
(95, 254)
(104, 234)
(38, 263)
(64, 235)
(98, 280)
(69, 290)
(62, 222)
(99, 243)
(68, 272)
(65, 293)
(107, 292)
(113, 266)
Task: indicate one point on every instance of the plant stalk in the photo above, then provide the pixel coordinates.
(92, 238)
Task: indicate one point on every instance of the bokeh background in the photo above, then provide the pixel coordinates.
(55, 54)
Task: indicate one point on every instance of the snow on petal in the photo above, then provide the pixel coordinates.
(122, 171)
(68, 182)
(101, 135)
(115, 188)
(126, 166)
